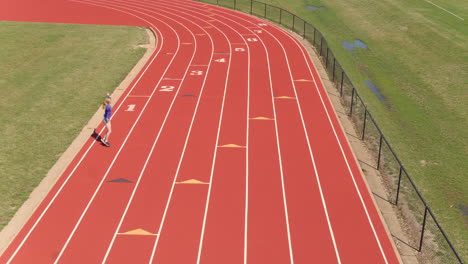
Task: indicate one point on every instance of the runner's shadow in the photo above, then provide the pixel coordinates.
(96, 136)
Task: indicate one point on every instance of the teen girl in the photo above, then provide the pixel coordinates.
(107, 115)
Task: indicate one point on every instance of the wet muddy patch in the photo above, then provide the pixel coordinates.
(375, 90)
(464, 209)
(354, 46)
(315, 8)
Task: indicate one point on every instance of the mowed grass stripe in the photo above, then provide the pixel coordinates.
(52, 80)
(417, 56)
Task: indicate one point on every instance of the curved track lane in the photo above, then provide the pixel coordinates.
(231, 153)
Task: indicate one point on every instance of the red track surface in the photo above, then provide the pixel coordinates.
(284, 188)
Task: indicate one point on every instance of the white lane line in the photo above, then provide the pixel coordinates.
(217, 138)
(285, 204)
(246, 157)
(305, 55)
(444, 9)
(156, 140)
(345, 158)
(183, 152)
(339, 143)
(280, 163)
(89, 148)
(311, 154)
(123, 144)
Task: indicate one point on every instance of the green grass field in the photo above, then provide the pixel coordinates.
(418, 56)
(53, 79)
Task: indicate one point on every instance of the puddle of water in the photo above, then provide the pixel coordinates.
(464, 209)
(314, 8)
(375, 90)
(360, 44)
(352, 46)
(348, 45)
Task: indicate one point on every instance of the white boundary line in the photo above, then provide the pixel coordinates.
(218, 132)
(89, 148)
(278, 145)
(183, 152)
(217, 141)
(334, 131)
(445, 10)
(123, 144)
(157, 139)
(338, 141)
(291, 255)
(345, 158)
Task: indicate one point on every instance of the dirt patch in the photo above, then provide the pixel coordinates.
(37, 196)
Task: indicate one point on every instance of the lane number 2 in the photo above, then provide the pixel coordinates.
(131, 108)
(167, 88)
(196, 72)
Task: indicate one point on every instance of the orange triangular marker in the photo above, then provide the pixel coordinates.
(285, 97)
(186, 43)
(303, 80)
(139, 232)
(262, 118)
(192, 181)
(231, 146)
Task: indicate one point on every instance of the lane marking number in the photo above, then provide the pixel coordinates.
(167, 88)
(239, 49)
(196, 72)
(131, 108)
(252, 39)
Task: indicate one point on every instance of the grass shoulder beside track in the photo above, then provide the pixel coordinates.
(53, 80)
(416, 55)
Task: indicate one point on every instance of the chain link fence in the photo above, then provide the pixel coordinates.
(424, 233)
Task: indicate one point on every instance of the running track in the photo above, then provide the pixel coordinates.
(232, 153)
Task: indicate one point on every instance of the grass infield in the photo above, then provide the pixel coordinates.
(53, 79)
(417, 55)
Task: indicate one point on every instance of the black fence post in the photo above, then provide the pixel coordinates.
(314, 35)
(364, 124)
(217, 2)
(304, 35)
(352, 102)
(334, 62)
(422, 231)
(265, 11)
(341, 89)
(294, 22)
(380, 152)
(326, 62)
(321, 40)
(281, 14)
(399, 184)
(235, 4)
